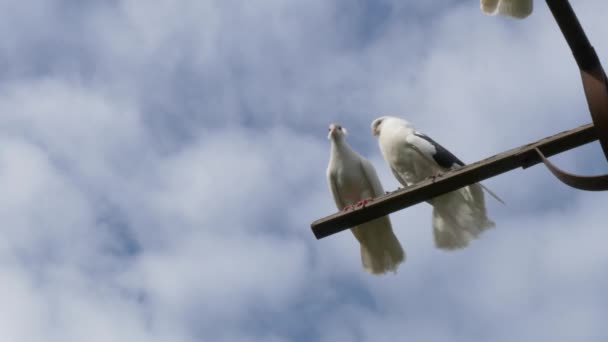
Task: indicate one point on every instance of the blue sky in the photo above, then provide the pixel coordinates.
(161, 162)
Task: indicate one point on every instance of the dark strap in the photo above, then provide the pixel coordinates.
(589, 183)
(596, 92)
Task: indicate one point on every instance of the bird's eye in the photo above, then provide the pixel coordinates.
(339, 127)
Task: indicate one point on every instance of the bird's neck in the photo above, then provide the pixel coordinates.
(339, 146)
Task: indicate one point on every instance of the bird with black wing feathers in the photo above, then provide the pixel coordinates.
(458, 216)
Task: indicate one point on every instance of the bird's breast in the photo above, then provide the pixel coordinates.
(404, 159)
(351, 183)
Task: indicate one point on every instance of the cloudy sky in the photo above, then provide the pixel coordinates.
(161, 162)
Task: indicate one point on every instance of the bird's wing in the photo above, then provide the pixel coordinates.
(369, 172)
(399, 177)
(432, 151)
(331, 180)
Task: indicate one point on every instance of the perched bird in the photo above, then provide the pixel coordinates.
(353, 181)
(511, 8)
(458, 216)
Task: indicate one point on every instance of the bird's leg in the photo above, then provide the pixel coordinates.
(348, 207)
(390, 192)
(363, 202)
(433, 177)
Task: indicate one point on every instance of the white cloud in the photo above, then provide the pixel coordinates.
(160, 165)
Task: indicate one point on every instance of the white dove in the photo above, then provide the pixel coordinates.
(458, 216)
(352, 181)
(512, 8)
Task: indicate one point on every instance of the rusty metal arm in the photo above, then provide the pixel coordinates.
(523, 156)
(593, 76)
(589, 183)
(595, 86)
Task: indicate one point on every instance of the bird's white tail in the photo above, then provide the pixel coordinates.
(381, 251)
(459, 217)
(489, 6)
(513, 8)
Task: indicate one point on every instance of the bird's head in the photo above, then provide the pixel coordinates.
(382, 121)
(377, 125)
(336, 131)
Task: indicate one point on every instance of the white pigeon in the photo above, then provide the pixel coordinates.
(458, 216)
(352, 181)
(512, 8)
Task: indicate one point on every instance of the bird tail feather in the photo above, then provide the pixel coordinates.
(512, 8)
(459, 217)
(381, 251)
(515, 8)
(489, 6)
(492, 194)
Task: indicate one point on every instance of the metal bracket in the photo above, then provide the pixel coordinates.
(595, 86)
(590, 183)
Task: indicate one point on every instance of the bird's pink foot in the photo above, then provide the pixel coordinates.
(348, 207)
(363, 202)
(435, 176)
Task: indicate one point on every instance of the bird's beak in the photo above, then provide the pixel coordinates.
(332, 130)
(375, 131)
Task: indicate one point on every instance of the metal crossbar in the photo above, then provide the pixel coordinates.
(523, 156)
